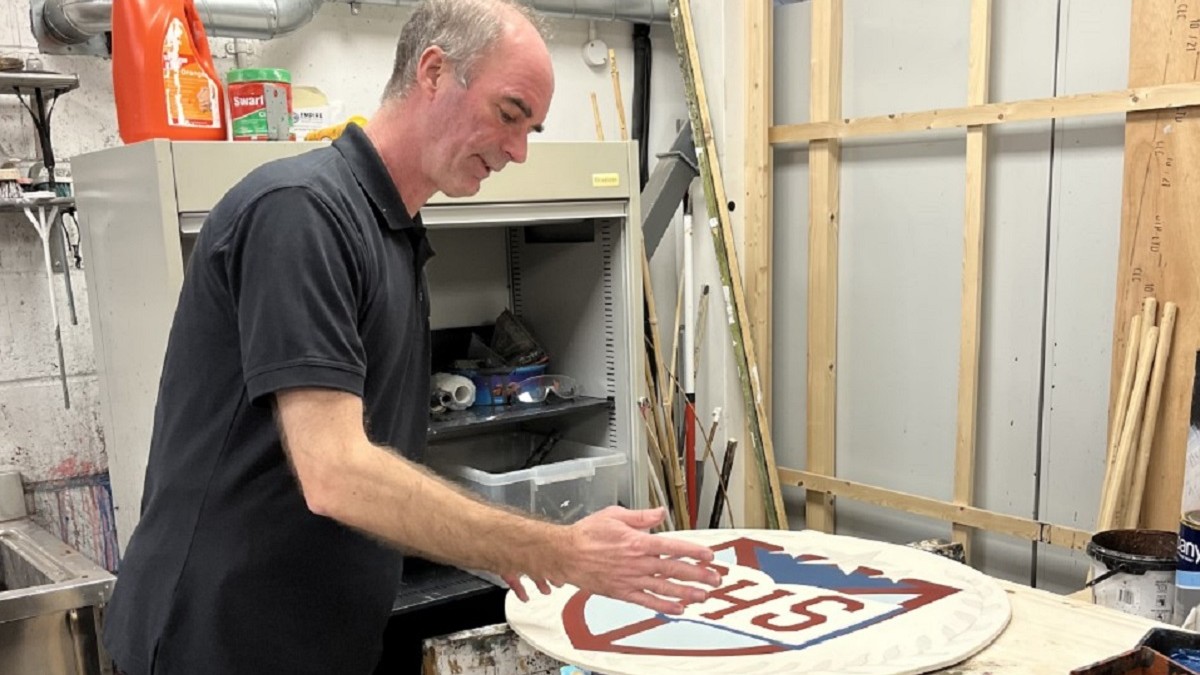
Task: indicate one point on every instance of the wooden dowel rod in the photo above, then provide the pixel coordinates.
(1150, 419)
(1112, 512)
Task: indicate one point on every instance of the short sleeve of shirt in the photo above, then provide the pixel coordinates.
(295, 274)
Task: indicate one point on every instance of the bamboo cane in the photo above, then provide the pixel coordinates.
(658, 496)
(701, 316)
(663, 440)
(652, 313)
(670, 393)
(664, 474)
(672, 454)
(709, 455)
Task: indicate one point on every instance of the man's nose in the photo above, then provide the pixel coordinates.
(517, 147)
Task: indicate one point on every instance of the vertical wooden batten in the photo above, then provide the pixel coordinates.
(758, 224)
(824, 213)
(978, 75)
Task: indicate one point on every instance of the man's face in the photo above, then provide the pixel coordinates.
(479, 129)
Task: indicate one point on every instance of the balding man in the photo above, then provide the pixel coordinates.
(273, 517)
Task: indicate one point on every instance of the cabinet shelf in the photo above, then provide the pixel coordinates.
(19, 205)
(426, 584)
(474, 419)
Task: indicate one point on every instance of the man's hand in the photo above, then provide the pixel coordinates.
(611, 553)
(514, 582)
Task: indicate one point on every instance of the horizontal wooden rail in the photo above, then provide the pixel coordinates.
(1024, 528)
(1077, 105)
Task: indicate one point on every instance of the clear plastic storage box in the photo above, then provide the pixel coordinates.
(572, 481)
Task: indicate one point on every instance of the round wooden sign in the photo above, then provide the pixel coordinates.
(789, 602)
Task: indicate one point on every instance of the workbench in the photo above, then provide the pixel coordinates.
(1052, 633)
(1048, 633)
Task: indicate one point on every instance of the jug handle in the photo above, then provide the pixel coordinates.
(197, 26)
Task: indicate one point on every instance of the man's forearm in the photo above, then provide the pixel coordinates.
(368, 488)
(389, 497)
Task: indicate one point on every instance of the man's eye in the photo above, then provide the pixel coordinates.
(508, 119)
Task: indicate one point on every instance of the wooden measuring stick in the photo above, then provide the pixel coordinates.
(616, 80)
(1112, 511)
(1150, 420)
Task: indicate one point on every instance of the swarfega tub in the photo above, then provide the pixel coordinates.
(248, 110)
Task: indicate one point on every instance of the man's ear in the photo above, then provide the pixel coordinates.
(432, 70)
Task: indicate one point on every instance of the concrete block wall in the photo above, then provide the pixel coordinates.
(59, 450)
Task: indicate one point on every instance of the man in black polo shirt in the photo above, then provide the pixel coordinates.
(294, 396)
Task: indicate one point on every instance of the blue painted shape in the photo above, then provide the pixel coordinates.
(785, 569)
(604, 614)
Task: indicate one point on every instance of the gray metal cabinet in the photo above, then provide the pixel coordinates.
(140, 207)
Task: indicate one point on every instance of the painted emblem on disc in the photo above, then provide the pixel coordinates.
(789, 602)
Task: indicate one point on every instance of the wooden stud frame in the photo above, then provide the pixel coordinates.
(979, 65)
(822, 134)
(760, 53)
(824, 218)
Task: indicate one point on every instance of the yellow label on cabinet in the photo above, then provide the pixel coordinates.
(606, 180)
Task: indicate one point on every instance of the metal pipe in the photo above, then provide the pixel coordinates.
(256, 19)
(76, 21)
(639, 11)
(642, 11)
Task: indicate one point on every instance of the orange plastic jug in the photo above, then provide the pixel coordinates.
(164, 81)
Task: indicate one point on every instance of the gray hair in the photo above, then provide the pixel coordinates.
(464, 29)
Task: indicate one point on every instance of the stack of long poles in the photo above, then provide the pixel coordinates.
(673, 476)
(759, 434)
(1135, 418)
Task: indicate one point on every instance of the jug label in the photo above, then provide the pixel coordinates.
(192, 97)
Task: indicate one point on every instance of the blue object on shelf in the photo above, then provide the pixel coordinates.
(493, 386)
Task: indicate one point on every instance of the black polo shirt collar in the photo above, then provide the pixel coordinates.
(372, 174)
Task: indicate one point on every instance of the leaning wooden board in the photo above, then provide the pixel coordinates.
(1160, 243)
(1048, 633)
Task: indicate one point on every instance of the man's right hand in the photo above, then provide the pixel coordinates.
(612, 553)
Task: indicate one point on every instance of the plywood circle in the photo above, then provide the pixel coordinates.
(789, 602)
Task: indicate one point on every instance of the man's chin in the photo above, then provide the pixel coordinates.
(467, 189)
(467, 186)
